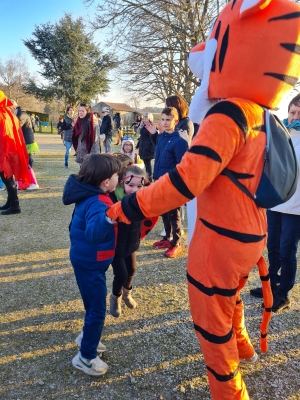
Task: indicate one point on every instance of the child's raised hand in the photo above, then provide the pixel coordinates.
(160, 128)
(150, 128)
(115, 212)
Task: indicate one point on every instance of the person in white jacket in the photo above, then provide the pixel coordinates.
(284, 228)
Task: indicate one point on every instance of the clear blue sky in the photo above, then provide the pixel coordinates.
(18, 20)
(19, 17)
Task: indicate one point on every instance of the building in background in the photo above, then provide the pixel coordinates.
(128, 114)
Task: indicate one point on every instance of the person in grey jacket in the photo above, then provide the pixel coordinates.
(106, 129)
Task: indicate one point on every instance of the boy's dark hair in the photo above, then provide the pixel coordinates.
(295, 101)
(180, 105)
(170, 111)
(98, 167)
(97, 114)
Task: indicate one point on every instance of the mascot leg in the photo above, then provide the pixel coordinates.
(213, 321)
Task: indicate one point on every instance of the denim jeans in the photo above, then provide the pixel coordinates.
(68, 149)
(92, 287)
(107, 144)
(283, 238)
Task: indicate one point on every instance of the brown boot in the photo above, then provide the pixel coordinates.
(115, 305)
(127, 298)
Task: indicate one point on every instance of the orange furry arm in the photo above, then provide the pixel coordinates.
(115, 212)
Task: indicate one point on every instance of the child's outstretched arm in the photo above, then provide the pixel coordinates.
(97, 224)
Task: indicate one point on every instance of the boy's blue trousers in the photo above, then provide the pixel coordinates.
(92, 287)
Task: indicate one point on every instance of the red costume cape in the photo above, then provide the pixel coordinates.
(13, 152)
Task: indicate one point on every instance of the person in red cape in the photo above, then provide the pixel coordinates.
(13, 155)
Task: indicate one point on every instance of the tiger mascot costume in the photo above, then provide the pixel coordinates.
(250, 59)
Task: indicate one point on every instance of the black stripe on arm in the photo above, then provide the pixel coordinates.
(223, 49)
(205, 151)
(232, 111)
(223, 378)
(211, 291)
(286, 16)
(265, 278)
(263, 335)
(238, 175)
(214, 338)
(131, 208)
(293, 47)
(179, 184)
(291, 80)
(239, 236)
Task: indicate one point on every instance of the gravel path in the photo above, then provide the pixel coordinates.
(152, 352)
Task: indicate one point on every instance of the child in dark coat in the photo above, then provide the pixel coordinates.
(132, 179)
(93, 237)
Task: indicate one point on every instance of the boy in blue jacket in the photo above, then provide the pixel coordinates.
(93, 237)
(170, 148)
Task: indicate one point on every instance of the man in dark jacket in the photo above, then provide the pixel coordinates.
(106, 129)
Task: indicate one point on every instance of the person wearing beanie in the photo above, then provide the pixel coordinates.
(128, 148)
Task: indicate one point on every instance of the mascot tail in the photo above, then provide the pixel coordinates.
(268, 302)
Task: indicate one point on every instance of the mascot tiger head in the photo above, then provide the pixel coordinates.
(252, 52)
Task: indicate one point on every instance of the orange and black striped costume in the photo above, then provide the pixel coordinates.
(230, 232)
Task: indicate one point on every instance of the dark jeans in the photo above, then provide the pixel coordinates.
(10, 185)
(172, 223)
(124, 268)
(92, 287)
(148, 167)
(283, 238)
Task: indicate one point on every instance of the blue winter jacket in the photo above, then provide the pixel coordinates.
(170, 148)
(92, 237)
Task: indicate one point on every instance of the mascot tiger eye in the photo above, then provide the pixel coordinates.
(250, 60)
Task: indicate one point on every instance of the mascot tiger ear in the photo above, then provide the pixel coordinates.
(250, 7)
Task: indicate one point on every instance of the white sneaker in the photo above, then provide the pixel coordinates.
(2, 188)
(90, 367)
(33, 187)
(163, 233)
(100, 348)
(251, 360)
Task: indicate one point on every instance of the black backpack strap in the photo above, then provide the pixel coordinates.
(237, 183)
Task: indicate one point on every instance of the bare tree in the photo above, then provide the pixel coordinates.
(13, 74)
(153, 40)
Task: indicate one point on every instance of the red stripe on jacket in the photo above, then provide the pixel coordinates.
(105, 254)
